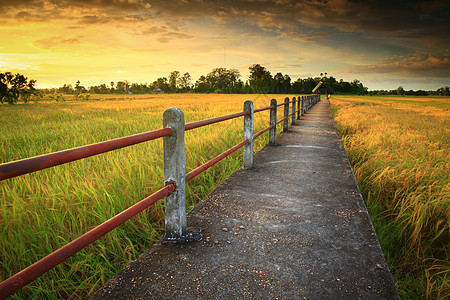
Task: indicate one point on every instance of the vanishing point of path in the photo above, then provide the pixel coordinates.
(294, 227)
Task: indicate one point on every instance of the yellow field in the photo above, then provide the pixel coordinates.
(399, 148)
(43, 211)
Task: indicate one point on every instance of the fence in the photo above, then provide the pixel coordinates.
(174, 176)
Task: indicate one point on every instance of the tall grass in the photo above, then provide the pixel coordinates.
(399, 150)
(42, 211)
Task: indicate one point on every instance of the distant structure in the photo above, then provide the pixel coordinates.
(321, 86)
(157, 90)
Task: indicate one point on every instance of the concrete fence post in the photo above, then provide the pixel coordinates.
(174, 173)
(286, 114)
(248, 135)
(305, 103)
(273, 121)
(303, 106)
(293, 110)
(298, 108)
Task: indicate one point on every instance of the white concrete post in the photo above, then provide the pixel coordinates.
(174, 173)
(273, 121)
(293, 111)
(286, 114)
(248, 135)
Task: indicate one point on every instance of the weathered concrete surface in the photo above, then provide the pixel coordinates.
(295, 227)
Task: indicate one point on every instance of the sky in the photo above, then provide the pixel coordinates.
(384, 44)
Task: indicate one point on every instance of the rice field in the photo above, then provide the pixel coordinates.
(398, 146)
(399, 150)
(42, 211)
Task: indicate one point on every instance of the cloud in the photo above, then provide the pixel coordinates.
(56, 41)
(421, 64)
(423, 21)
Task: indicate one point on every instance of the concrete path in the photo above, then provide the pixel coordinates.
(294, 227)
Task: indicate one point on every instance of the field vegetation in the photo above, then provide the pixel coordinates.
(45, 210)
(399, 150)
(398, 147)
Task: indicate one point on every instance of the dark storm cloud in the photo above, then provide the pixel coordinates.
(420, 64)
(427, 22)
(424, 22)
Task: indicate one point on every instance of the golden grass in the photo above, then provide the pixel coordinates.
(43, 211)
(399, 149)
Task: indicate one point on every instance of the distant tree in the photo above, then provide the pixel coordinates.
(13, 86)
(222, 80)
(121, 87)
(443, 91)
(79, 88)
(297, 86)
(400, 91)
(174, 78)
(309, 84)
(185, 82)
(29, 90)
(260, 79)
(162, 83)
(287, 88)
(344, 86)
(100, 89)
(358, 87)
(66, 89)
(278, 83)
(201, 85)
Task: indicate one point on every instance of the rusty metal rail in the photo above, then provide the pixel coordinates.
(213, 161)
(262, 109)
(29, 165)
(19, 280)
(262, 131)
(281, 120)
(20, 167)
(201, 123)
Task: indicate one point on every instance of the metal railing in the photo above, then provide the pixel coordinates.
(174, 176)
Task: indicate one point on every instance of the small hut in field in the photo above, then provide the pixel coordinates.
(157, 90)
(321, 86)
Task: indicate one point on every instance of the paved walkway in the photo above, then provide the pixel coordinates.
(295, 227)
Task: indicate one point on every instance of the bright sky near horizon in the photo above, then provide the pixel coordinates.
(384, 44)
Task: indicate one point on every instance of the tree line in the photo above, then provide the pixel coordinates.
(219, 80)
(442, 91)
(13, 86)
(222, 80)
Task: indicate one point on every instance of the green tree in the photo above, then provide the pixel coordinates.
(443, 91)
(185, 82)
(222, 80)
(400, 91)
(358, 87)
(162, 83)
(79, 88)
(201, 85)
(13, 86)
(66, 89)
(174, 79)
(260, 79)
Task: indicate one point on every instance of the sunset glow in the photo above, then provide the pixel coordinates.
(381, 43)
